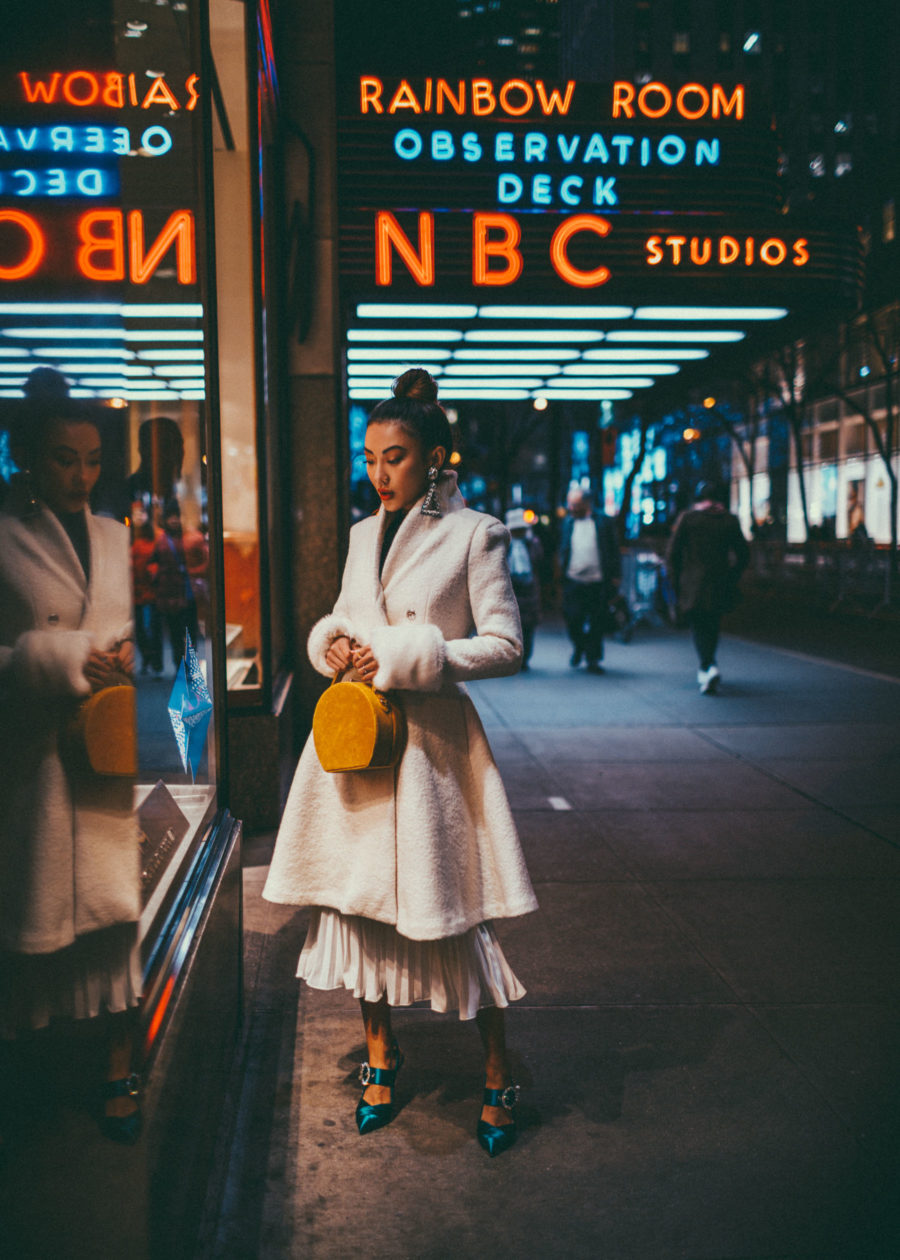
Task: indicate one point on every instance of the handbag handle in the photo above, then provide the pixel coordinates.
(339, 674)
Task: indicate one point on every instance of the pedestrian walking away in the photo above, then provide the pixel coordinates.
(707, 555)
(525, 556)
(405, 868)
(591, 570)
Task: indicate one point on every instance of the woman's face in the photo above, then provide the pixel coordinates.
(397, 465)
(69, 465)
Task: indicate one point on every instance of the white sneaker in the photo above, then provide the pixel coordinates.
(703, 679)
(713, 678)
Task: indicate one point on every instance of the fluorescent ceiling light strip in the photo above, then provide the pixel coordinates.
(150, 394)
(137, 310)
(573, 335)
(399, 334)
(13, 352)
(101, 380)
(710, 312)
(511, 394)
(163, 310)
(174, 354)
(613, 369)
(73, 369)
(79, 352)
(165, 334)
(588, 395)
(528, 382)
(501, 368)
(495, 382)
(556, 312)
(411, 310)
(17, 369)
(56, 309)
(600, 382)
(179, 369)
(12, 393)
(404, 354)
(193, 393)
(137, 371)
(388, 370)
(94, 334)
(508, 354)
(709, 334)
(623, 355)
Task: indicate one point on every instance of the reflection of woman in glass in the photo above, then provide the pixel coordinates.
(144, 568)
(155, 480)
(175, 598)
(407, 867)
(69, 859)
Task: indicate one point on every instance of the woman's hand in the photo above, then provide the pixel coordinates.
(364, 663)
(125, 657)
(102, 669)
(338, 656)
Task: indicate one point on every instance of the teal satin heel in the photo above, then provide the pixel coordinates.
(494, 1138)
(125, 1129)
(372, 1116)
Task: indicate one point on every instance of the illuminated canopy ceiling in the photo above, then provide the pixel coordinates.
(503, 352)
(133, 351)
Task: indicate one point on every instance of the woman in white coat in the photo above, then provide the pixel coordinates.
(406, 867)
(69, 856)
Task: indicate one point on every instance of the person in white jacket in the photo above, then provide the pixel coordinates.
(407, 867)
(69, 854)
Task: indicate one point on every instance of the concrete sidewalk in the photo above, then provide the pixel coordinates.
(710, 1040)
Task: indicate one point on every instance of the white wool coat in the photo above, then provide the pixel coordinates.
(69, 856)
(429, 846)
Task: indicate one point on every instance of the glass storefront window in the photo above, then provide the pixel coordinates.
(106, 349)
(237, 350)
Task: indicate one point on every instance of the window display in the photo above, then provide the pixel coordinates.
(106, 362)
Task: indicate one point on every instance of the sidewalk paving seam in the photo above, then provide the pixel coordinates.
(807, 796)
(817, 660)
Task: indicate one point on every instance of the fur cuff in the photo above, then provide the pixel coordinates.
(52, 661)
(321, 637)
(410, 658)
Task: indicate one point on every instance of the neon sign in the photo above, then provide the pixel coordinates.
(84, 88)
(63, 160)
(115, 141)
(57, 181)
(103, 239)
(514, 98)
(575, 185)
(725, 250)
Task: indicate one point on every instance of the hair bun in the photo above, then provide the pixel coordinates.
(416, 384)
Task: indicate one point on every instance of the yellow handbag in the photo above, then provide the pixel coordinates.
(356, 727)
(101, 736)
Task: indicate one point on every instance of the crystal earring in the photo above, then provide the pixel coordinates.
(32, 507)
(430, 505)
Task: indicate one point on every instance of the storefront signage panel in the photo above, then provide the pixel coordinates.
(75, 145)
(562, 187)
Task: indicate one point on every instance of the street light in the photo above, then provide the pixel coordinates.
(691, 435)
(709, 403)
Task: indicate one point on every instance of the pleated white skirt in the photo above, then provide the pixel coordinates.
(101, 971)
(372, 960)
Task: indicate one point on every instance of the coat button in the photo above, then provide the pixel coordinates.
(411, 615)
(53, 619)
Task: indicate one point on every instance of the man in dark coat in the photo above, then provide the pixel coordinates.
(707, 555)
(591, 569)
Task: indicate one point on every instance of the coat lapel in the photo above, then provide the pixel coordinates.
(60, 557)
(417, 528)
